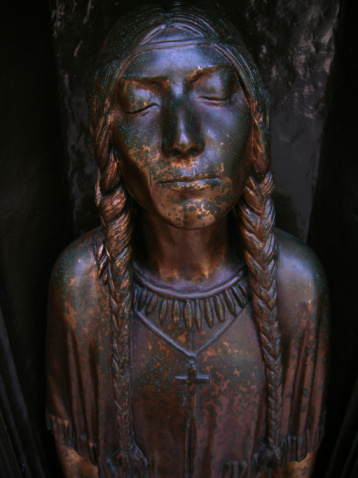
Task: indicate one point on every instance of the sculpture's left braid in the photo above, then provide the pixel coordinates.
(257, 221)
(116, 216)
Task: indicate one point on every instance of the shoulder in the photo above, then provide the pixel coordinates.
(76, 263)
(299, 267)
(303, 318)
(301, 282)
(75, 289)
(76, 304)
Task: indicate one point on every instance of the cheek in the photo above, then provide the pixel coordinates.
(234, 131)
(232, 143)
(237, 134)
(239, 149)
(136, 155)
(136, 142)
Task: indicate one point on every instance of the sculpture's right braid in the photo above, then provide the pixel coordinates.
(116, 251)
(257, 220)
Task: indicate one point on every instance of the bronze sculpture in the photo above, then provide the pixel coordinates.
(181, 344)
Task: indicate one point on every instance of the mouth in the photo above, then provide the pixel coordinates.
(190, 183)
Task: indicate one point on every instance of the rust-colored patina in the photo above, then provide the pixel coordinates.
(187, 337)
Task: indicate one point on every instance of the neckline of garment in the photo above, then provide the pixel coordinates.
(170, 292)
(192, 311)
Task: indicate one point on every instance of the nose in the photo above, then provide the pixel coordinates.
(182, 136)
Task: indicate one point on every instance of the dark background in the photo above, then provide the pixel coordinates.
(307, 54)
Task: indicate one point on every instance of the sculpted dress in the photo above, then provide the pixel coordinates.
(198, 381)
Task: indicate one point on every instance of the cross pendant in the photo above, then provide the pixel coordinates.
(192, 380)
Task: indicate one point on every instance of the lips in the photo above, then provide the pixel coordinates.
(190, 183)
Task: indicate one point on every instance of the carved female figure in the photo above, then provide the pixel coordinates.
(186, 338)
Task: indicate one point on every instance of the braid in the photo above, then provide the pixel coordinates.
(257, 218)
(116, 216)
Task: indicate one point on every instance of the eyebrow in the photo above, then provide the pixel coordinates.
(145, 80)
(191, 78)
(203, 73)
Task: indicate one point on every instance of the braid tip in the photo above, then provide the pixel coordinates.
(133, 461)
(271, 457)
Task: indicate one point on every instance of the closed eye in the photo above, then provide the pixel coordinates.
(141, 109)
(136, 98)
(215, 86)
(214, 99)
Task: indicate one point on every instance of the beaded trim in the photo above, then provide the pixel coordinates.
(190, 311)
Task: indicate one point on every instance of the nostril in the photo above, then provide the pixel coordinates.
(194, 152)
(183, 152)
(182, 136)
(175, 153)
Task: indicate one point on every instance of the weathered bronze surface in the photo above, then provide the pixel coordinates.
(187, 337)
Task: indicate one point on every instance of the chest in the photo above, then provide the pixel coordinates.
(198, 397)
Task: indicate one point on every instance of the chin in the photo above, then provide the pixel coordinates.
(193, 221)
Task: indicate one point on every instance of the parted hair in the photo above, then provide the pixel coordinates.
(255, 211)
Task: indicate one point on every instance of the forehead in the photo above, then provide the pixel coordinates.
(174, 61)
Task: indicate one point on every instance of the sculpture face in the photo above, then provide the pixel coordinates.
(181, 128)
